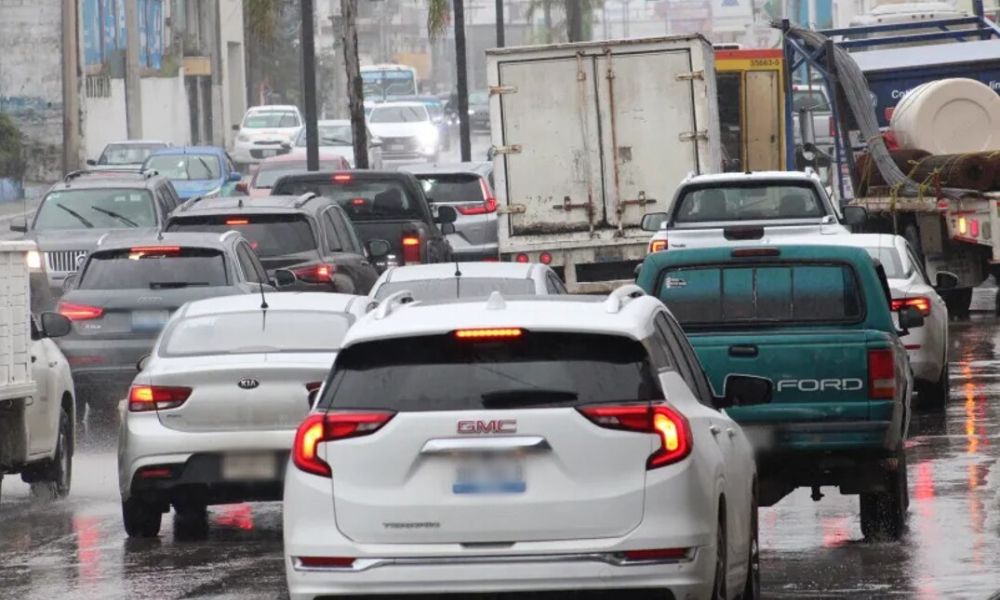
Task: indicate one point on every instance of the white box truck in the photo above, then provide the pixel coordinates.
(589, 137)
(37, 410)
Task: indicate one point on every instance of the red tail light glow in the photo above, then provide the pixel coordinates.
(312, 386)
(237, 221)
(79, 312)
(658, 554)
(920, 303)
(321, 273)
(522, 258)
(545, 258)
(672, 428)
(494, 333)
(325, 562)
(155, 249)
(411, 250)
(331, 427)
(142, 398)
(881, 374)
(489, 204)
(155, 473)
(342, 178)
(657, 246)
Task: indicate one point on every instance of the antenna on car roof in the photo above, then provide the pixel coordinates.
(263, 299)
(458, 280)
(239, 202)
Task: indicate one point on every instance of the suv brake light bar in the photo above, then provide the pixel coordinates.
(493, 333)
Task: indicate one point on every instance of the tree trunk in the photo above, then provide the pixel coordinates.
(355, 91)
(463, 81)
(574, 20)
(547, 12)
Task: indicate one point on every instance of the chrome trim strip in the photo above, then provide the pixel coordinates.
(485, 444)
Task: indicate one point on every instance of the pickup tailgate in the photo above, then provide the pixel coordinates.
(748, 233)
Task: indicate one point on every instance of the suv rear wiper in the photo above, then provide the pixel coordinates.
(526, 397)
(162, 285)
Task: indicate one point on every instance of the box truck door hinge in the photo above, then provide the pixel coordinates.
(691, 136)
(690, 76)
(568, 205)
(496, 90)
(513, 209)
(642, 200)
(512, 149)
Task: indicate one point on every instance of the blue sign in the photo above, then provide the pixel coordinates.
(889, 87)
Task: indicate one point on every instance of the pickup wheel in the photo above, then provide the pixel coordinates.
(935, 395)
(958, 301)
(883, 514)
(56, 477)
(142, 519)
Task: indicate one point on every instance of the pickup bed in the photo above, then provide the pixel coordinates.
(816, 321)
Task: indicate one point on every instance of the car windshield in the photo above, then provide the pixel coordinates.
(186, 167)
(442, 372)
(329, 135)
(154, 267)
(452, 188)
(127, 154)
(364, 200)
(270, 172)
(888, 256)
(458, 287)
(398, 114)
(763, 294)
(269, 235)
(115, 208)
(256, 332)
(271, 119)
(761, 200)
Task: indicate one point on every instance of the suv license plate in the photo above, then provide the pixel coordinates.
(249, 467)
(489, 475)
(149, 320)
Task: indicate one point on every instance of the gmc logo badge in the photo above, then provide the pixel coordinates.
(495, 426)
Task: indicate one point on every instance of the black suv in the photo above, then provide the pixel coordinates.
(86, 205)
(384, 205)
(308, 235)
(126, 290)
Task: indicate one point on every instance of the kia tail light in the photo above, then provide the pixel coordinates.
(79, 312)
(881, 374)
(321, 273)
(142, 398)
(331, 427)
(920, 303)
(411, 249)
(489, 204)
(668, 424)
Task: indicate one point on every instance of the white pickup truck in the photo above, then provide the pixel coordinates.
(37, 411)
(747, 209)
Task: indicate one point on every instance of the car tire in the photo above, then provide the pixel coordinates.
(883, 514)
(751, 589)
(959, 302)
(191, 522)
(57, 475)
(721, 567)
(935, 395)
(142, 519)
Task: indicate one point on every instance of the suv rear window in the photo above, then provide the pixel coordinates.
(749, 201)
(762, 294)
(270, 172)
(161, 268)
(441, 372)
(364, 200)
(255, 332)
(115, 208)
(451, 188)
(269, 235)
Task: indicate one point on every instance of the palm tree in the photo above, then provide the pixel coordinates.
(578, 23)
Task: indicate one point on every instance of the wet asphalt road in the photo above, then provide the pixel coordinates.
(77, 548)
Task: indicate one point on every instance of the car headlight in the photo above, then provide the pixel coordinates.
(34, 259)
(428, 138)
(472, 112)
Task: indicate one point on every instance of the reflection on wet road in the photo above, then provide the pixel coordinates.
(77, 548)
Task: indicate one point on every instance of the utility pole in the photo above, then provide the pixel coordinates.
(463, 81)
(309, 86)
(355, 97)
(500, 33)
(70, 88)
(133, 86)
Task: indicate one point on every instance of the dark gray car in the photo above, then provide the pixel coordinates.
(125, 292)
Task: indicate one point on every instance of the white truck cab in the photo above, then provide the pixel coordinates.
(37, 411)
(748, 208)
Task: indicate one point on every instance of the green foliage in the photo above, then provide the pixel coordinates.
(261, 19)
(11, 149)
(438, 17)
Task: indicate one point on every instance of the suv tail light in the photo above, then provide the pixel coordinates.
(920, 303)
(142, 398)
(331, 427)
(79, 312)
(881, 374)
(657, 246)
(672, 428)
(411, 249)
(321, 273)
(489, 204)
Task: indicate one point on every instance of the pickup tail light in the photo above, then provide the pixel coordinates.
(489, 204)
(668, 424)
(881, 374)
(921, 303)
(331, 427)
(657, 246)
(320, 273)
(143, 398)
(411, 249)
(79, 312)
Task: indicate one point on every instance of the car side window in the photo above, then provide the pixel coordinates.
(917, 263)
(247, 264)
(333, 239)
(345, 231)
(687, 360)
(553, 285)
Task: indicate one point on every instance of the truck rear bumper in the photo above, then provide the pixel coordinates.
(587, 270)
(791, 438)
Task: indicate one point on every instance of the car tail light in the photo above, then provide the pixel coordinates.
(325, 562)
(312, 386)
(79, 312)
(237, 221)
(881, 374)
(321, 273)
(155, 472)
(545, 258)
(142, 398)
(655, 555)
(671, 427)
(411, 250)
(752, 252)
(342, 177)
(489, 204)
(331, 427)
(920, 303)
(974, 227)
(493, 333)
(657, 246)
(155, 249)
(522, 258)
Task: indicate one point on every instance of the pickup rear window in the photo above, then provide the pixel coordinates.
(364, 200)
(758, 200)
(762, 294)
(154, 268)
(269, 235)
(441, 372)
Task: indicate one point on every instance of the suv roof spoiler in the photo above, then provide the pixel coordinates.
(618, 298)
(147, 174)
(392, 302)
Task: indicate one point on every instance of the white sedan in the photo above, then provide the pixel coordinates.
(441, 281)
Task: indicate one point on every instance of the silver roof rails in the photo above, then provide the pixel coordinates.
(618, 298)
(391, 303)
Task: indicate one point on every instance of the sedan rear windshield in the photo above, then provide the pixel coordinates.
(115, 208)
(268, 173)
(762, 294)
(749, 201)
(458, 287)
(255, 332)
(269, 235)
(452, 188)
(271, 119)
(154, 268)
(186, 167)
(364, 200)
(442, 372)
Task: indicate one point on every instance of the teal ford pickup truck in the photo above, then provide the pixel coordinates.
(815, 320)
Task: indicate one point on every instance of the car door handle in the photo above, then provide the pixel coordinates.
(53, 363)
(34, 358)
(731, 432)
(498, 444)
(743, 351)
(715, 429)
